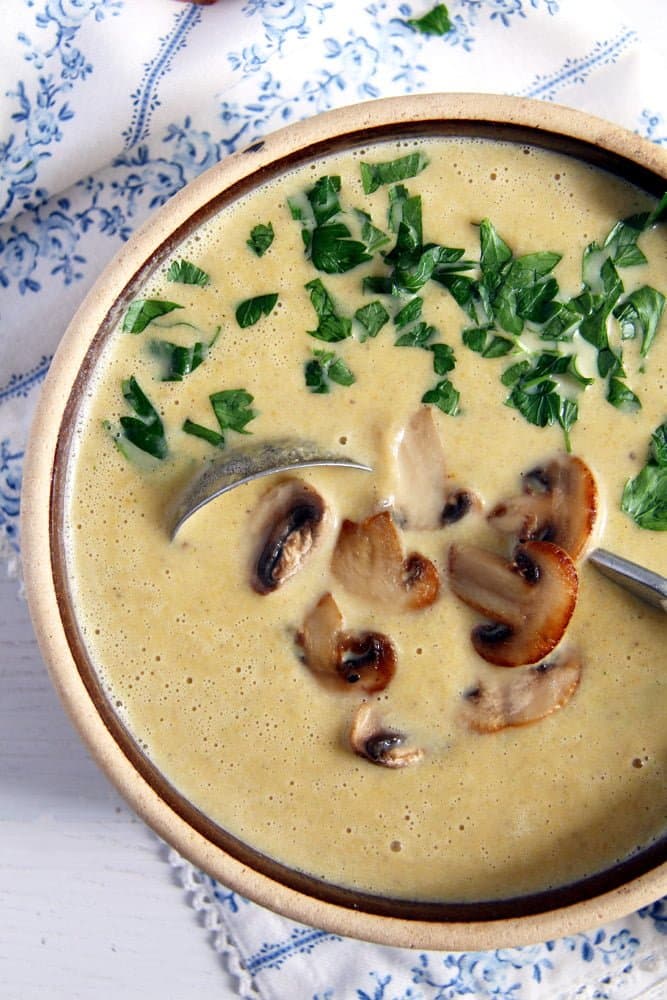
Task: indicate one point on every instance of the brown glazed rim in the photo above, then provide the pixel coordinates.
(452, 925)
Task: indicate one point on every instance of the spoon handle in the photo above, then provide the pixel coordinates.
(641, 582)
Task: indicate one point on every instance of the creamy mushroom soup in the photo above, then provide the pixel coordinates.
(408, 681)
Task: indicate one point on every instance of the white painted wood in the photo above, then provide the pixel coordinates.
(89, 907)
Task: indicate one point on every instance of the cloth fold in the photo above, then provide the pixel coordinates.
(107, 108)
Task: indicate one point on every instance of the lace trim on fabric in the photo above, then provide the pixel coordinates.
(210, 912)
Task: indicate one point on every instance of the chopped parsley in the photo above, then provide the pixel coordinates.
(372, 318)
(435, 22)
(326, 367)
(250, 311)
(645, 497)
(374, 175)
(141, 312)
(187, 273)
(261, 238)
(145, 430)
(444, 396)
(331, 326)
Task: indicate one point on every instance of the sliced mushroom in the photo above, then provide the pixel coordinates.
(366, 659)
(523, 696)
(368, 560)
(291, 516)
(371, 739)
(421, 473)
(529, 599)
(458, 503)
(423, 497)
(558, 504)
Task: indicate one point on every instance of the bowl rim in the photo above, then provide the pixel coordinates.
(553, 126)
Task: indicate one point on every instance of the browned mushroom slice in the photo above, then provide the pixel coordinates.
(320, 636)
(558, 504)
(523, 696)
(368, 560)
(529, 600)
(291, 515)
(366, 659)
(371, 739)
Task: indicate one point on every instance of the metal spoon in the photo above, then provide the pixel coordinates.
(642, 582)
(252, 461)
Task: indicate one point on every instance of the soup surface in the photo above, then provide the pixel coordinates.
(207, 672)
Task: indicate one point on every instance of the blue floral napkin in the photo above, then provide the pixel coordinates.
(107, 107)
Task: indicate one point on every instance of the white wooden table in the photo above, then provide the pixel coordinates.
(88, 906)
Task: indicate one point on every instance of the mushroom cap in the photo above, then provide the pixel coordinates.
(529, 600)
(368, 560)
(371, 739)
(290, 517)
(559, 504)
(364, 659)
(522, 696)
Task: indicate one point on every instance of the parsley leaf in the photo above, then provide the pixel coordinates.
(416, 336)
(620, 396)
(435, 22)
(372, 318)
(187, 273)
(373, 175)
(250, 311)
(261, 238)
(141, 312)
(444, 396)
(443, 358)
(324, 368)
(331, 326)
(146, 430)
(333, 251)
(409, 313)
(373, 237)
(232, 409)
(640, 313)
(484, 341)
(179, 361)
(197, 430)
(323, 198)
(645, 497)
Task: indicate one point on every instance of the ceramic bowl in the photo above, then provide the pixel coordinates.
(480, 925)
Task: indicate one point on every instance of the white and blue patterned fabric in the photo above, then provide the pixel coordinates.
(107, 107)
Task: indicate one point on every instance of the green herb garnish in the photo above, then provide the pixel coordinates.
(141, 312)
(443, 358)
(145, 430)
(645, 497)
(331, 326)
(232, 409)
(374, 175)
(640, 313)
(372, 318)
(187, 273)
(417, 336)
(205, 433)
(444, 396)
(435, 22)
(324, 368)
(261, 238)
(250, 311)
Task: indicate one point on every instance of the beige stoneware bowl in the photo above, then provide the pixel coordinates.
(432, 926)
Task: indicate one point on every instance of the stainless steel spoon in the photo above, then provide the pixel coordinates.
(642, 582)
(252, 461)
